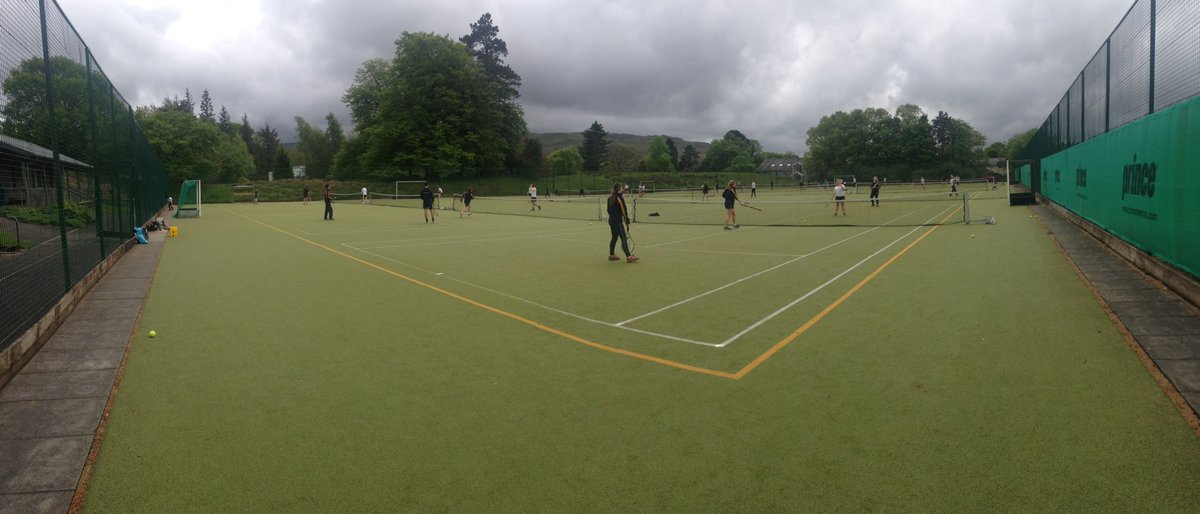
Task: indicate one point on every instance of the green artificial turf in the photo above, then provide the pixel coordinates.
(290, 373)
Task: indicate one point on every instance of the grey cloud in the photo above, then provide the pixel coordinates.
(693, 69)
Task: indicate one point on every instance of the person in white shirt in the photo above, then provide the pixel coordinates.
(839, 197)
(753, 189)
(364, 193)
(439, 197)
(533, 198)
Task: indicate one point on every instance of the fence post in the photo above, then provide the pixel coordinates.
(1153, 38)
(112, 162)
(53, 130)
(1083, 105)
(94, 154)
(1107, 82)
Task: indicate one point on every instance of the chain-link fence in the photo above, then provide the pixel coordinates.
(1151, 61)
(76, 172)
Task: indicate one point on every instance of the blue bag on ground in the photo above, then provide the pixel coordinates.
(140, 235)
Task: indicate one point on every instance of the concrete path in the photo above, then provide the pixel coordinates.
(50, 411)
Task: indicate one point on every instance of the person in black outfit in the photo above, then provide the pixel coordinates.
(427, 204)
(618, 223)
(328, 203)
(467, 197)
(875, 191)
(731, 196)
(305, 194)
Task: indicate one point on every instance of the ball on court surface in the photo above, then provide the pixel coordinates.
(972, 237)
(153, 334)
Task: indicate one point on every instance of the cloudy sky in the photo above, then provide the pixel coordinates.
(688, 68)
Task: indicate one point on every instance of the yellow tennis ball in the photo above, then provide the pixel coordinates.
(972, 236)
(153, 334)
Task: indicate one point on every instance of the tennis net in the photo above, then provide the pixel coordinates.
(389, 200)
(588, 208)
(776, 210)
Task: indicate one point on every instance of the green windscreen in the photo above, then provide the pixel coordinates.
(1139, 182)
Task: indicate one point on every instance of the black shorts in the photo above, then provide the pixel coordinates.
(839, 198)
(427, 204)
(728, 204)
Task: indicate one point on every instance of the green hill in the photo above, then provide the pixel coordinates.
(552, 141)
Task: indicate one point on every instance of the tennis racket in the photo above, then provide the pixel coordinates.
(629, 237)
(748, 206)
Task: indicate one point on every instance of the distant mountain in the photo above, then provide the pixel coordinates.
(552, 141)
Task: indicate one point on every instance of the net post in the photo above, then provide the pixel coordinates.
(967, 207)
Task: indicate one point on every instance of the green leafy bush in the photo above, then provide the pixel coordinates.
(76, 215)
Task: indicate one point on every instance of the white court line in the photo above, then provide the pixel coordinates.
(748, 277)
(793, 303)
(546, 307)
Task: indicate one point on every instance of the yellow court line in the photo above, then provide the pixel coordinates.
(825, 312)
(650, 358)
(539, 326)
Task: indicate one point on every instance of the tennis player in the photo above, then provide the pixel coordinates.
(467, 197)
(328, 202)
(875, 191)
(704, 192)
(427, 204)
(618, 224)
(839, 197)
(365, 196)
(730, 195)
(305, 194)
(533, 198)
(753, 189)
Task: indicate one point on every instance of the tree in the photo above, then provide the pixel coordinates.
(733, 148)
(333, 132)
(432, 110)
(26, 114)
(267, 145)
(531, 157)
(565, 161)
(365, 96)
(283, 165)
(314, 145)
(1018, 142)
(690, 159)
(621, 159)
(206, 107)
(658, 156)
(233, 161)
(485, 45)
(225, 122)
(674, 153)
(192, 149)
(594, 147)
(489, 51)
(996, 150)
(188, 105)
(246, 132)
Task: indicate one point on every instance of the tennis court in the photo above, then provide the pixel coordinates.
(896, 358)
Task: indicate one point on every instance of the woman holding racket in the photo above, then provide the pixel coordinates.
(839, 197)
(618, 224)
(730, 195)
